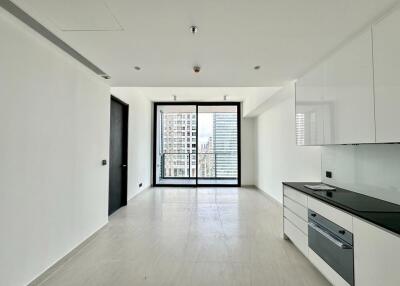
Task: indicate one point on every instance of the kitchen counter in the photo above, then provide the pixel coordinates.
(376, 211)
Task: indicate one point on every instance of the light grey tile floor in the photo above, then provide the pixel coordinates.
(188, 236)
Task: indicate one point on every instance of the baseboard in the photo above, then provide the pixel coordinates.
(268, 196)
(139, 192)
(53, 268)
(249, 186)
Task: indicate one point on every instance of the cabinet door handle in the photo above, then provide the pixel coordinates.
(330, 237)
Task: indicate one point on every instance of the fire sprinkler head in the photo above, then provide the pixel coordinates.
(194, 29)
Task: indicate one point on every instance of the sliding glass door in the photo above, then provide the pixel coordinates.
(196, 144)
(218, 145)
(176, 144)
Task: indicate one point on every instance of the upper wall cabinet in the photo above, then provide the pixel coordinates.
(386, 38)
(335, 101)
(349, 94)
(310, 108)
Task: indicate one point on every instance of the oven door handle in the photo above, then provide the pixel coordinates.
(329, 236)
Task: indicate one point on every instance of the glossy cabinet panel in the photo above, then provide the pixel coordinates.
(386, 38)
(376, 255)
(310, 108)
(331, 213)
(296, 236)
(348, 94)
(296, 196)
(335, 100)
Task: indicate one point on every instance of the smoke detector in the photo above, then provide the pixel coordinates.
(196, 69)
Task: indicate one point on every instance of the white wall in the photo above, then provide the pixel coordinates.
(247, 151)
(54, 126)
(277, 157)
(255, 98)
(140, 137)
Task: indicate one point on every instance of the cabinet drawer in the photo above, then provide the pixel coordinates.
(296, 208)
(296, 196)
(297, 221)
(331, 213)
(296, 236)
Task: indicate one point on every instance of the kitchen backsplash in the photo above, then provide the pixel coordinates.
(371, 169)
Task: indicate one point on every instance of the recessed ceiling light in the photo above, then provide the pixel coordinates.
(257, 67)
(137, 68)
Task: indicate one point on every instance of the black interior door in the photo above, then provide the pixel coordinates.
(118, 155)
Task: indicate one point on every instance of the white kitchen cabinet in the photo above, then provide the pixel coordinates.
(348, 94)
(335, 100)
(296, 208)
(331, 213)
(376, 251)
(298, 238)
(296, 196)
(295, 218)
(376, 255)
(310, 108)
(301, 224)
(386, 39)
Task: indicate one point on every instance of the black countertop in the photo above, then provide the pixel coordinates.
(379, 212)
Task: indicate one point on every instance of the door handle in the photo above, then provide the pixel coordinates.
(124, 166)
(328, 236)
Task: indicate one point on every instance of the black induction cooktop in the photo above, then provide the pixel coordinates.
(379, 212)
(358, 202)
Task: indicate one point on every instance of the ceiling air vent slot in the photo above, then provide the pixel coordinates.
(42, 30)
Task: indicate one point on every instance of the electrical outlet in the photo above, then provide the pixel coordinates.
(140, 185)
(328, 174)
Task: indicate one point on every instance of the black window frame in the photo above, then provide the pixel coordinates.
(196, 104)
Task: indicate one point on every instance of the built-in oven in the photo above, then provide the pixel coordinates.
(333, 244)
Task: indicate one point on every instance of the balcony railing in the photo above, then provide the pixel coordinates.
(216, 165)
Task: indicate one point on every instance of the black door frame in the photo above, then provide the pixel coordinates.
(196, 104)
(124, 194)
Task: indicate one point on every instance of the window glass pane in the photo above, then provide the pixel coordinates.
(218, 145)
(173, 162)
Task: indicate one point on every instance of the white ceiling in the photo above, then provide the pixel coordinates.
(285, 37)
